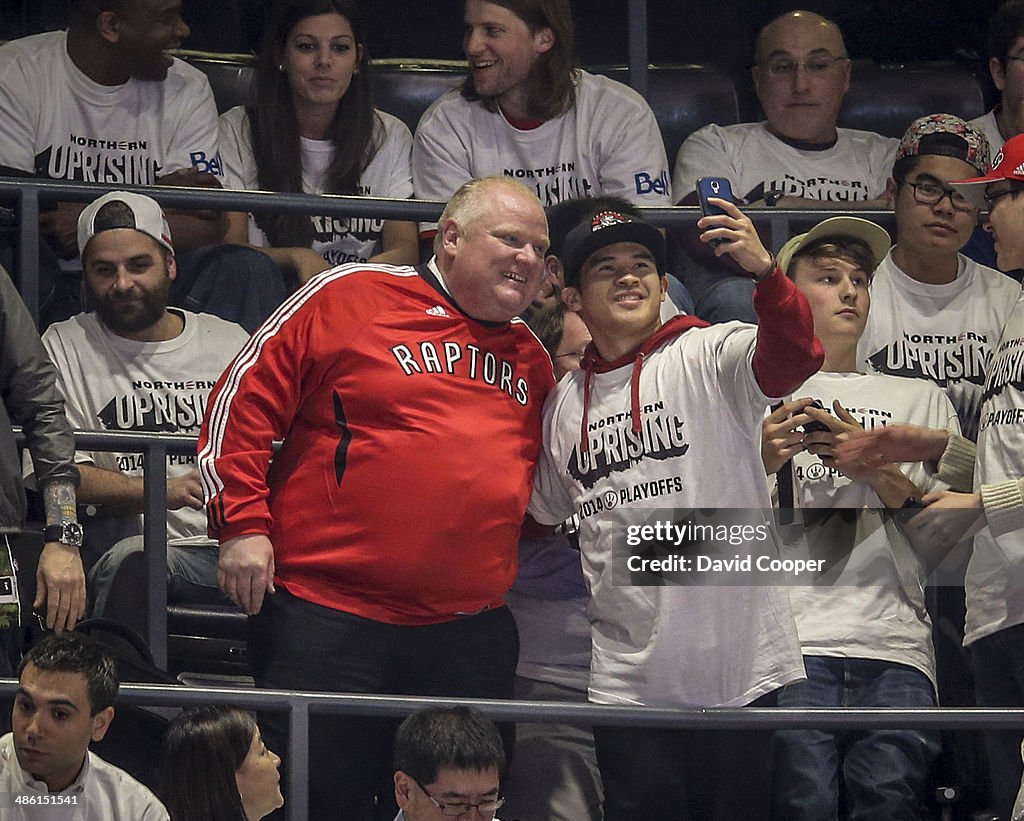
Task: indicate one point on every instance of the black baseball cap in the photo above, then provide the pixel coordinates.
(607, 228)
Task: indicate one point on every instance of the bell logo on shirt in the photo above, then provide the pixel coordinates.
(211, 165)
(646, 184)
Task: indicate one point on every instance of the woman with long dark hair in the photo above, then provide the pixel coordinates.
(313, 129)
(217, 768)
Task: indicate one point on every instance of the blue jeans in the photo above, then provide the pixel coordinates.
(116, 595)
(726, 299)
(998, 664)
(233, 282)
(884, 772)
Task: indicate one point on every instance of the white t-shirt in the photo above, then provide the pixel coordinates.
(988, 126)
(609, 144)
(111, 383)
(943, 333)
(101, 791)
(699, 646)
(746, 154)
(58, 123)
(995, 574)
(871, 604)
(337, 239)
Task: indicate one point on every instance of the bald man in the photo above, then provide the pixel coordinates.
(796, 157)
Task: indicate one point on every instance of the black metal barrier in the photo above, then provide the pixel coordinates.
(300, 705)
(155, 448)
(28, 194)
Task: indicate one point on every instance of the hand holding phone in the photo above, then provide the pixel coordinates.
(713, 187)
(816, 426)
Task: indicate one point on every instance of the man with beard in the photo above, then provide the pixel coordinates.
(133, 364)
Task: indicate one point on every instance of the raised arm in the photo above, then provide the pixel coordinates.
(787, 350)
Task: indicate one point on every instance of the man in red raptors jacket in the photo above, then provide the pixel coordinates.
(409, 401)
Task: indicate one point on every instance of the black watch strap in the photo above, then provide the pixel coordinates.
(69, 533)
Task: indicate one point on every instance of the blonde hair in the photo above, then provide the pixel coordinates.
(466, 204)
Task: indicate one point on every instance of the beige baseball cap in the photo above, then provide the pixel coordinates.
(871, 234)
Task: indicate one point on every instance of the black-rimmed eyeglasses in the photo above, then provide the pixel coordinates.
(931, 193)
(991, 198)
(456, 809)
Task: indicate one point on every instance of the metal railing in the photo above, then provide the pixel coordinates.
(155, 447)
(28, 194)
(301, 705)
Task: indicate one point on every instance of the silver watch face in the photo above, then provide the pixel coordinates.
(69, 533)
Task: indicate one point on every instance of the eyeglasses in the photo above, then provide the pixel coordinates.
(814, 67)
(450, 810)
(991, 198)
(931, 193)
(577, 356)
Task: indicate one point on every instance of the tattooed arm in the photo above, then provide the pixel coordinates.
(60, 577)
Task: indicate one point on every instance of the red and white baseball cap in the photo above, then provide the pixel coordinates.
(1007, 164)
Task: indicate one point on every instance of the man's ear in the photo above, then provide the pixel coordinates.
(571, 298)
(101, 723)
(450, 234)
(402, 786)
(543, 40)
(553, 265)
(664, 287)
(756, 75)
(891, 190)
(108, 26)
(998, 72)
(172, 267)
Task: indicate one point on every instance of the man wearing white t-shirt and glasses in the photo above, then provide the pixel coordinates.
(935, 314)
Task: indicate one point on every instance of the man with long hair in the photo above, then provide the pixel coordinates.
(525, 111)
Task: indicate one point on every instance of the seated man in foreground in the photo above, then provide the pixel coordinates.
(448, 761)
(66, 690)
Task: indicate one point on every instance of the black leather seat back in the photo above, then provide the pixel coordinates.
(887, 99)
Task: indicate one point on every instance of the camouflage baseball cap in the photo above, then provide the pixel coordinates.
(945, 135)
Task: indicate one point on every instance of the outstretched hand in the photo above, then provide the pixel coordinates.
(892, 444)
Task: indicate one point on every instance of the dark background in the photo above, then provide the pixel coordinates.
(682, 31)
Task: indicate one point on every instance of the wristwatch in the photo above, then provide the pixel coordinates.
(772, 197)
(69, 533)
